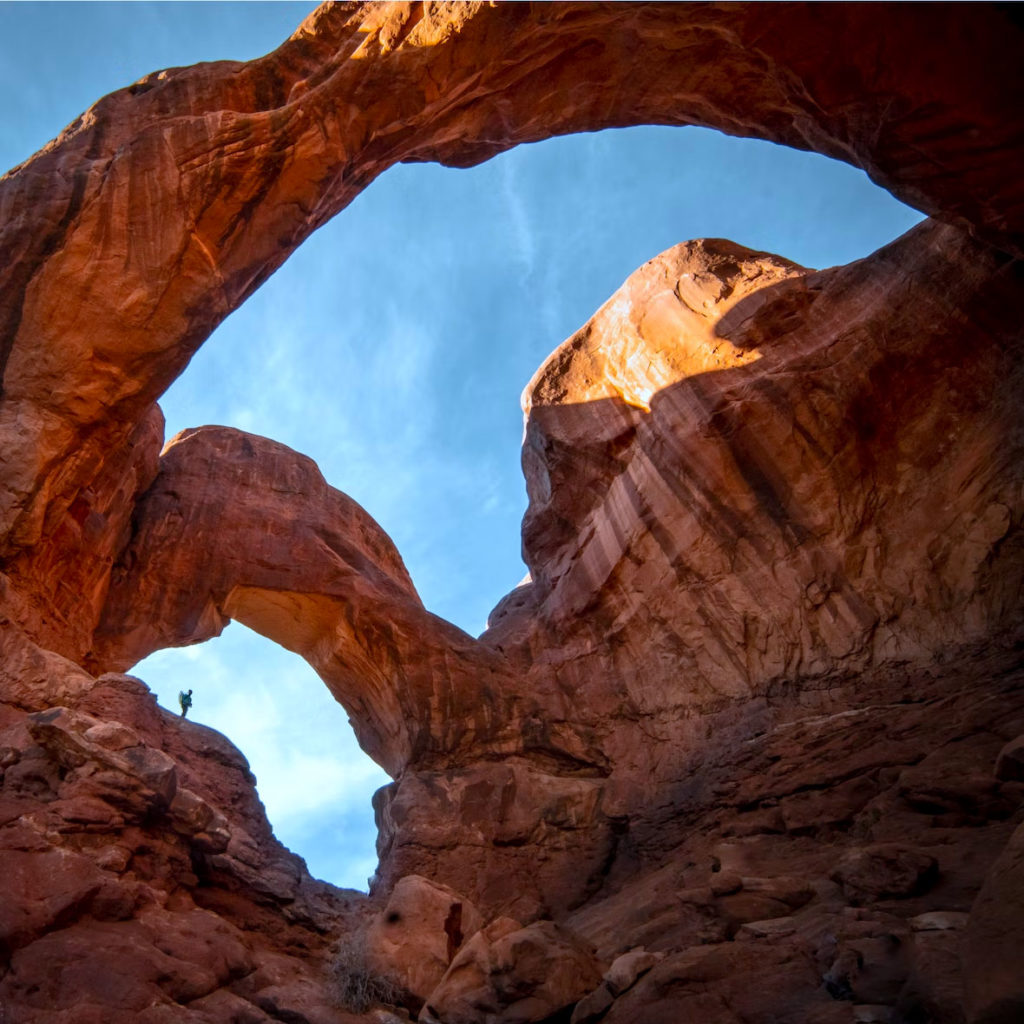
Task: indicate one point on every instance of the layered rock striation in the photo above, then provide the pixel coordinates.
(765, 478)
(190, 187)
(745, 746)
(238, 527)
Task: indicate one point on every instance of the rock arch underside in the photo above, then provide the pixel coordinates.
(748, 748)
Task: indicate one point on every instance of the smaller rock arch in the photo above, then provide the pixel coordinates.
(239, 527)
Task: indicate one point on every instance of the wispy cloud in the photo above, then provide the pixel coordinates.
(516, 211)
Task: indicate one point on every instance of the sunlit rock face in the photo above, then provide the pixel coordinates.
(756, 711)
(769, 474)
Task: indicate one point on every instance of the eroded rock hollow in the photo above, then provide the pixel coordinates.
(747, 747)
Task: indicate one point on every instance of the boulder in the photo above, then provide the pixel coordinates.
(131, 774)
(625, 969)
(885, 871)
(418, 933)
(514, 975)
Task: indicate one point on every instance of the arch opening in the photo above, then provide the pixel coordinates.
(314, 780)
(429, 442)
(411, 322)
(544, 815)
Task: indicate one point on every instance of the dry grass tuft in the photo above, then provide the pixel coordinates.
(356, 987)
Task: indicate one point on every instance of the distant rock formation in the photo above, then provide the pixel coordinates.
(742, 749)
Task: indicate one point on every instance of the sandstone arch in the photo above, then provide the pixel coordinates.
(237, 526)
(206, 178)
(631, 772)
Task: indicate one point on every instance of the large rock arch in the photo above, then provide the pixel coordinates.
(771, 650)
(158, 211)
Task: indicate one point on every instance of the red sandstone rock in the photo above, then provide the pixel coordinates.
(774, 536)
(434, 818)
(877, 872)
(742, 468)
(688, 985)
(619, 978)
(324, 581)
(101, 847)
(51, 885)
(417, 934)
(193, 222)
(532, 840)
(513, 975)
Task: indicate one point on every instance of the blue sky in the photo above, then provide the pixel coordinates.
(393, 347)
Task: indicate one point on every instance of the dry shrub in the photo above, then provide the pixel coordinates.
(356, 986)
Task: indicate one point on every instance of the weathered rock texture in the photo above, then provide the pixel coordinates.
(819, 486)
(328, 584)
(743, 747)
(191, 186)
(140, 875)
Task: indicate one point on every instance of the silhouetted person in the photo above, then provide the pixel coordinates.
(185, 700)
